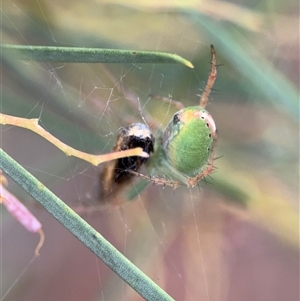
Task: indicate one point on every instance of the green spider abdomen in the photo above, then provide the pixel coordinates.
(188, 138)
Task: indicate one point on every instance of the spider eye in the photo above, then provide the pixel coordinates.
(176, 119)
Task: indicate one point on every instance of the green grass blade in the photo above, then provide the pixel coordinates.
(90, 55)
(83, 231)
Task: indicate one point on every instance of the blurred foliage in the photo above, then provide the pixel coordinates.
(255, 105)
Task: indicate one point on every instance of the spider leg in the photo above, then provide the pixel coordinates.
(157, 180)
(211, 78)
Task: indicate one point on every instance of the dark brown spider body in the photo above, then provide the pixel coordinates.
(116, 173)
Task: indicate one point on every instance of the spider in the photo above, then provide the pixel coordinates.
(183, 152)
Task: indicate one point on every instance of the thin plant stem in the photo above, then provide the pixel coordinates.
(32, 124)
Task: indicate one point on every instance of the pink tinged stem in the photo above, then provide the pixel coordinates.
(22, 214)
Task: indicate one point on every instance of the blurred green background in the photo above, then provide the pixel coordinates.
(234, 238)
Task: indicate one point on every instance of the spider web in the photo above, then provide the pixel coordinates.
(175, 237)
(84, 105)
